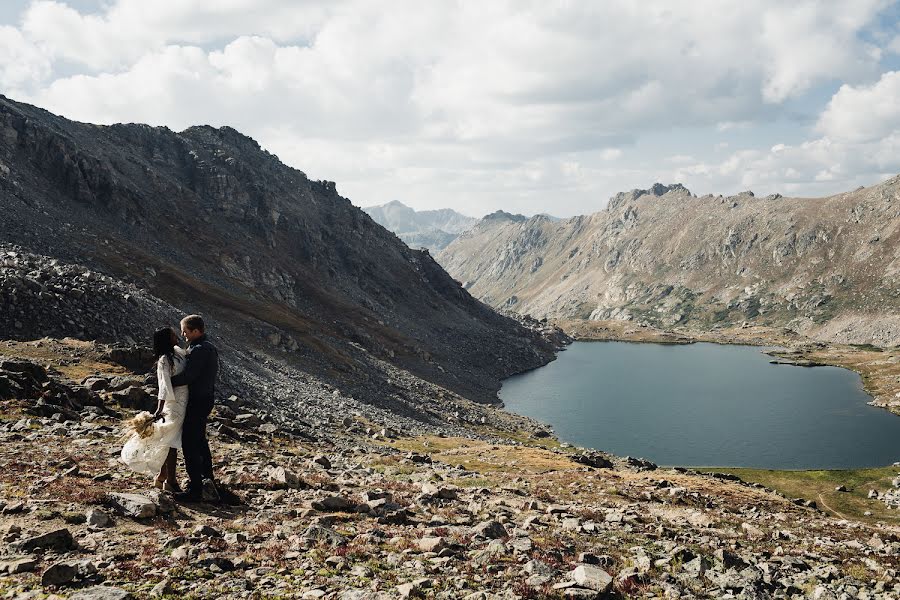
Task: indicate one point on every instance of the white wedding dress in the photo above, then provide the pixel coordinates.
(147, 455)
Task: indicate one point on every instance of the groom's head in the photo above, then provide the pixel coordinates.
(192, 327)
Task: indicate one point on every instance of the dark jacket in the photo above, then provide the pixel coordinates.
(200, 372)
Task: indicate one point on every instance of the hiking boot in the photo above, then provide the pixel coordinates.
(210, 493)
(189, 496)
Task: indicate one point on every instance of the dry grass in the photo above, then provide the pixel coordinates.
(485, 458)
(74, 359)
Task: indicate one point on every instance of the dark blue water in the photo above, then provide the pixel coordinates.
(706, 405)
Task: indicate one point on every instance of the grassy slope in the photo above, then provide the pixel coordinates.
(819, 486)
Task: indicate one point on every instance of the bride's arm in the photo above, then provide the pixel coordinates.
(164, 378)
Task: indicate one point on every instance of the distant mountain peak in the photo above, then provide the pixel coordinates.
(657, 189)
(431, 229)
(502, 215)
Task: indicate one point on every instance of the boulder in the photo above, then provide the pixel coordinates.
(591, 577)
(490, 530)
(134, 505)
(135, 397)
(59, 540)
(96, 517)
(59, 573)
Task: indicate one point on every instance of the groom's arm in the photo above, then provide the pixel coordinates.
(197, 363)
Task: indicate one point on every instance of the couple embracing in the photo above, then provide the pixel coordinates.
(186, 390)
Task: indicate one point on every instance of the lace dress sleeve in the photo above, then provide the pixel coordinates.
(164, 377)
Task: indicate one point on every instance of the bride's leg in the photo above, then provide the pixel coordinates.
(163, 470)
(171, 475)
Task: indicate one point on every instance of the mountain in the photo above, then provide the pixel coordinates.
(432, 229)
(827, 267)
(301, 289)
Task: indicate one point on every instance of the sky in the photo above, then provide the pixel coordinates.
(530, 107)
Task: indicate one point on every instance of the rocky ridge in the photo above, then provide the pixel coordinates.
(367, 517)
(824, 267)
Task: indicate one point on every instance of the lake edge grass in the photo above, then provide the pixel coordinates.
(819, 486)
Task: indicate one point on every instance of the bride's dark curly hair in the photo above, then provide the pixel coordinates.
(162, 344)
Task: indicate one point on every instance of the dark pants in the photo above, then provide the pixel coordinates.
(197, 457)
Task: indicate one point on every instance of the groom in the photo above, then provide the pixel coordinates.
(200, 376)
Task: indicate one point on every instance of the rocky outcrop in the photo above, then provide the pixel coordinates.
(148, 224)
(825, 267)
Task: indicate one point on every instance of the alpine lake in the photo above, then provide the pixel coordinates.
(706, 404)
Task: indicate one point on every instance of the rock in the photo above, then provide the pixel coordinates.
(593, 459)
(591, 577)
(135, 397)
(101, 592)
(95, 384)
(334, 503)
(284, 477)
(490, 530)
(319, 533)
(322, 460)
(13, 566)
(96, 517)
(59, 573)
(206, 531)
(163, 501)
(432, 544)
(752, 531)
(134, 505)
(162, 588)
(640, 464)
(59, 540)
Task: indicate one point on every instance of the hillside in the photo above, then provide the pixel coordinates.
(431, 229)
(355, 518)
(286, 270)
(824, 267)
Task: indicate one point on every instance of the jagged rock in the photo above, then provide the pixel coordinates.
(59, 573)
(490, 530)
(284, 477)
(59, 540)
(134, 505)
(593, 459)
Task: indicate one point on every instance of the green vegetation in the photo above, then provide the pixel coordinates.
(819, 486)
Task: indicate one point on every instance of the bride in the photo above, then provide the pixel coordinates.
(154, 449)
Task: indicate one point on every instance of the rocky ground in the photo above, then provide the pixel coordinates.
(365, 512)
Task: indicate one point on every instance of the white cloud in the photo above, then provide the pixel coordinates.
(499, 102)
(23, 64)
(863, 113)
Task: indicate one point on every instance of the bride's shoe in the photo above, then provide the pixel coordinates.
(168, 487)
(159, 483)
